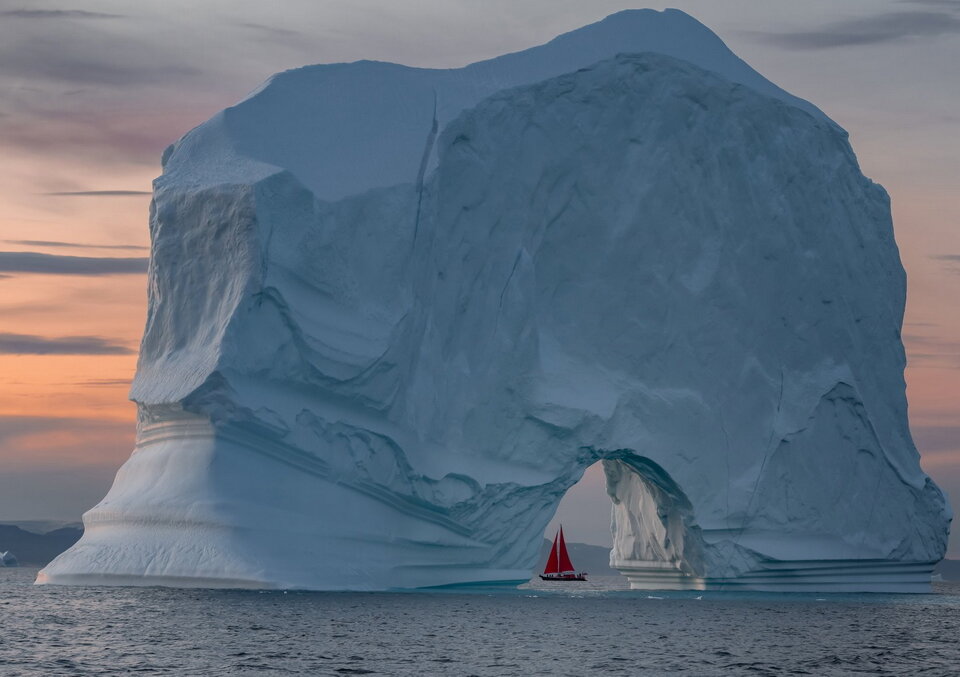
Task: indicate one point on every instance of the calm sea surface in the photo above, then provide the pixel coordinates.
(548, 629)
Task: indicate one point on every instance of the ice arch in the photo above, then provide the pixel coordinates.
(656, 539)
(659, 545)
(681, 271)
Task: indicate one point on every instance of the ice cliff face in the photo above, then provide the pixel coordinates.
(395, 313)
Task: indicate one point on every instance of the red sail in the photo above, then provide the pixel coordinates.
(552, 561)
(565, 563)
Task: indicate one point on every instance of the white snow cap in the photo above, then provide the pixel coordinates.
(343, 129)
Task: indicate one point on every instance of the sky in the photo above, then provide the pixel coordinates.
(91, 92)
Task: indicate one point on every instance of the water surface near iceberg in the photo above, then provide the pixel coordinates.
(56, 630)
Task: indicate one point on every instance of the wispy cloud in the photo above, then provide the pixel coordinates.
(103, 383)
(946, 4)
(934, 438)
(92, 69)
(99, 193)
(27, 344)
(950, 261)
(57, 14)
(868, 30)
(931, 351)
(138, 91)
(16, 426)
(138, 136)
(75, 245)
(270, 31)
(52, 264)
(92, 54)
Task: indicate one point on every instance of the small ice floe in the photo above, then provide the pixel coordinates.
(7, 559)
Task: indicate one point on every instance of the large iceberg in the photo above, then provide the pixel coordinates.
(395, 313)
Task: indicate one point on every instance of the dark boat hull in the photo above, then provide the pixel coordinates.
(571, 577)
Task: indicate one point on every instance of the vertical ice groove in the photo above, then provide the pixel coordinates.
(424, 161)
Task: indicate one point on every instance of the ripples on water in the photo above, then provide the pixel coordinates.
(548, 629)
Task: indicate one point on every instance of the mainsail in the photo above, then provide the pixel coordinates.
(559, 560)
(553, 562)
(565, 564)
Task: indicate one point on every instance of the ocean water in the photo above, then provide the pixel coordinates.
(539, 629)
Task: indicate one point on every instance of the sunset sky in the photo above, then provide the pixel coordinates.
(92, 92)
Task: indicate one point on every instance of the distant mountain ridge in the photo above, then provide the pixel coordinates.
(37, 549)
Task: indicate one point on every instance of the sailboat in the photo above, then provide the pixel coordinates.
(559, 567)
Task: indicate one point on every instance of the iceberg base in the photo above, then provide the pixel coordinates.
(882, 576)
(190, 509)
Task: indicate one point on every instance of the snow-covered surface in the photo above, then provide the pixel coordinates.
(345, 128)
(395, 313)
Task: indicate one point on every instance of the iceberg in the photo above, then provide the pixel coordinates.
(395, 313)
(8, 559)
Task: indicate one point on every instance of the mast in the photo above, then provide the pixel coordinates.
(559, 539)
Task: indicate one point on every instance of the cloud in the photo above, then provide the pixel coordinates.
(271, 31)
(27, 344)
(77, 245)
(89, 54)
(868, 30)
(939, 447)
(135, 138)
(52, 264)
(930, 351)
(946, 4)
(104, 382)
(139, 91)
(57, 14)
(99, 193)
(16, 426)
(937, 438)
(37, 63)
(951, 262)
